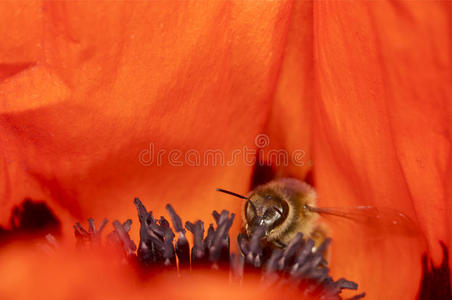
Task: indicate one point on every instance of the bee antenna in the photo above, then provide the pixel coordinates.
(232, 193)
(239, 196)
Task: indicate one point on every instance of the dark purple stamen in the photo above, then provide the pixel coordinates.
(92, 236)
(198, 250)
(121, 231)
(298, 264)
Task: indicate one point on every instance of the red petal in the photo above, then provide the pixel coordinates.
(382, 123)
(113, 78)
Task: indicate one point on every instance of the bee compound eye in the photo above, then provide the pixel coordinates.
(249, 211)
(281, 213)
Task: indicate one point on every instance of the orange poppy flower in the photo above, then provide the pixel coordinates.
(102, 102)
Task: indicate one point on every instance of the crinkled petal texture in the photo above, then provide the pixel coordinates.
(116, 100)
(102, 102)
(382, 126)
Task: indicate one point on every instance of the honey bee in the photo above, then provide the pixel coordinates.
(363, 238)
(287, 206)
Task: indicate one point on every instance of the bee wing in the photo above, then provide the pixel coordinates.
(372, 240)
(377, 221)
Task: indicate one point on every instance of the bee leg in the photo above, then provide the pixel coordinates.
(319, 235)
(242, 240)
(281, 244)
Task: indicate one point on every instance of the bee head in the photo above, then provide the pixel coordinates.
(283, 207)
(265, 208)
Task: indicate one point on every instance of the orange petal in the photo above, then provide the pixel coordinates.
(114, 79)
(382, 125)
(289, 125)
(73, 274)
